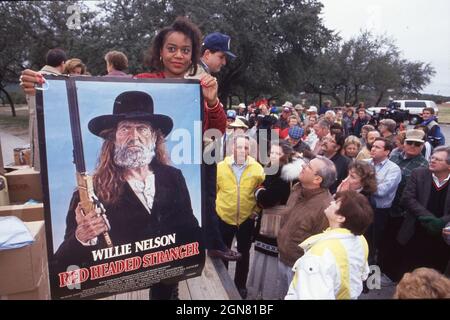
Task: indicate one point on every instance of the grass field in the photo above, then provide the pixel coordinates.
(444, 113)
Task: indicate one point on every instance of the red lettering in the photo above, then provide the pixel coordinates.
(117, 267)
(174, 253)
(147, 260)
(133, 263)
(182, 252)
(73, 277)
(161, 257)
(98, 271)
(195, 245)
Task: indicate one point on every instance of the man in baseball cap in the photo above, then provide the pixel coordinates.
(215, 49)
(287, 104)
(283, 121)
(312, 109)
(295, 139)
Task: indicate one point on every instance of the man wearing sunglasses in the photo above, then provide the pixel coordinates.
(408, 160)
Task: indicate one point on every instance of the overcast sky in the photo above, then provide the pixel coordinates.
(420, 28)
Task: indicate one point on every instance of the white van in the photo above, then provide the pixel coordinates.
(414, 107)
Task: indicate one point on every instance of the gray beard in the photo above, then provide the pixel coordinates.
(133, 158)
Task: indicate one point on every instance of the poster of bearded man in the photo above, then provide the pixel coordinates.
(122, 181)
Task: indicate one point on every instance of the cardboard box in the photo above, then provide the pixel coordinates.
(25, 212)
(11, 167)
(41, 292)
(22, 269)
(24, 184)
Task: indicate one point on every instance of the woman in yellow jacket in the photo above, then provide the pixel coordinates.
(238, 176)
(334, 265)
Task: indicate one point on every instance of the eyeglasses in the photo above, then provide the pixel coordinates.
(308, 165)
(433, 158)
(414, 143)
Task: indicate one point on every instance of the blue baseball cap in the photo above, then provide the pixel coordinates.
(218, 42)
(231, 114)
(295, 132)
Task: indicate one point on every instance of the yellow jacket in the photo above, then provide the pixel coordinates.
(235, 203)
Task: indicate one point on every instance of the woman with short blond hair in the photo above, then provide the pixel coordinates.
(352, 146)
(74, 66)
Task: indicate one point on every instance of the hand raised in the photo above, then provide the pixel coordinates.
(29, 79)
(209, 89)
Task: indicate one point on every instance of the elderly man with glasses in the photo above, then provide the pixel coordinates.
(426, 199)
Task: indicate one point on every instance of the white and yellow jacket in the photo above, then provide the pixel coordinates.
(333, 267)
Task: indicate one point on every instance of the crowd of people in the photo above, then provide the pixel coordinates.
(320, 193)
(401, 178)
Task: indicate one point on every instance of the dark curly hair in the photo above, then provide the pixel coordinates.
(367, 174)
(184, 26)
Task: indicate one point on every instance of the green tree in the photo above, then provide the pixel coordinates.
(30, 28)
(282, 46)
(365, 66)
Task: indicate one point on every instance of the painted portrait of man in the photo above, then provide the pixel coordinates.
(142, 226)
(142, 196)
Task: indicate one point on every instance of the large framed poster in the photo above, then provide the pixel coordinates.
(122, 180)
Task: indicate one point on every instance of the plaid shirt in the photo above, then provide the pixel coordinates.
(407, 165)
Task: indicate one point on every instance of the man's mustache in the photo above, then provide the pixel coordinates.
(134, 143)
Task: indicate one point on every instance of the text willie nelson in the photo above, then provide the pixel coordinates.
(139, 246)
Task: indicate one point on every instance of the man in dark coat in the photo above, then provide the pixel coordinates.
(426, 199)
(360, 122)
(142, 196)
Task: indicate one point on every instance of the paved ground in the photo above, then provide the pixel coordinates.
(446, 131)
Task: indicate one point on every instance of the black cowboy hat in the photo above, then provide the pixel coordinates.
(131, 105)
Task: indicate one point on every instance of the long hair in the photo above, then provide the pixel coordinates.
(184, 26)
(109, 178)
(367, 174)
